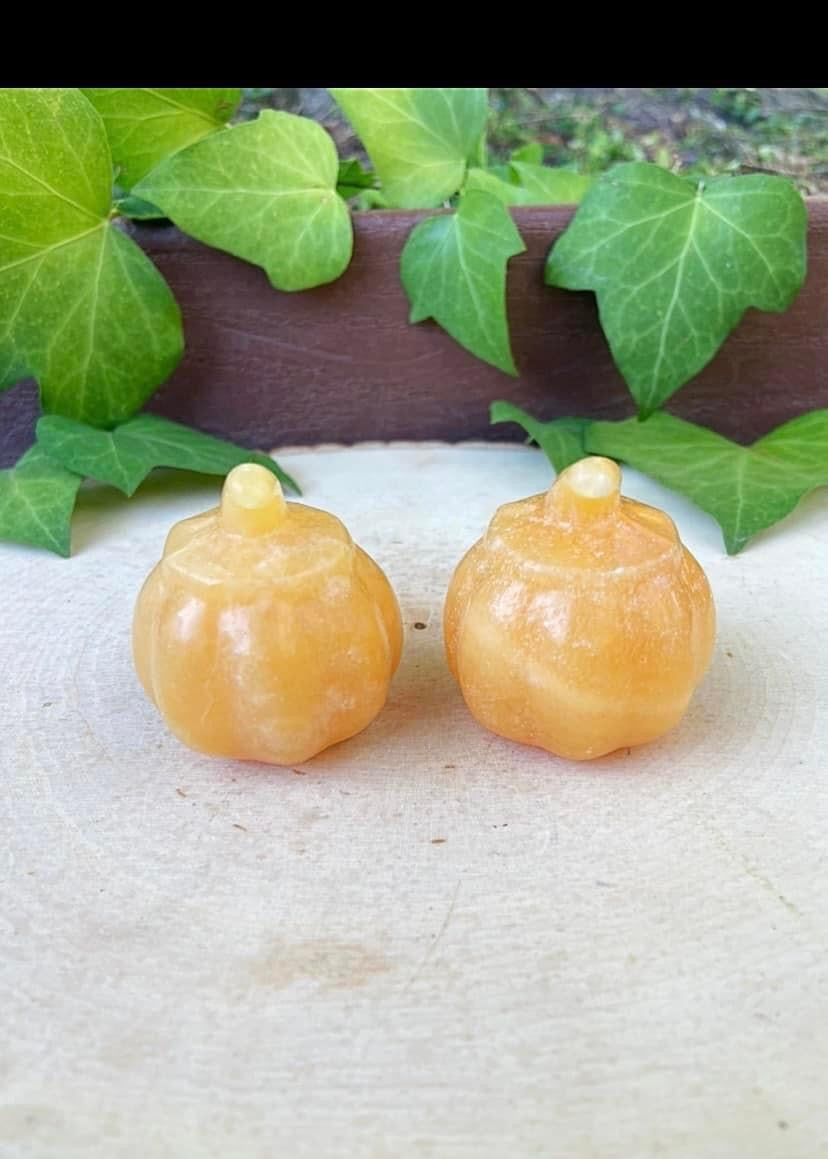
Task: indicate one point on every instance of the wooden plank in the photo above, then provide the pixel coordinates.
(342, 364)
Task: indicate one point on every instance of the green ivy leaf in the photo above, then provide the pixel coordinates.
(487, 181)
(358, 185)
(420, 140)
(369, 199)
(531, 152)
(453, 268)
(265, 191)
(37, 497)
(146, 125)
(546, 186)
(353, 178)
(138, 209)
(745, 489)
(561, 440)
(124, 457)
(531, 185)
(676, 262)
(81, 307)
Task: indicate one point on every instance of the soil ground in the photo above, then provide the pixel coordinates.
(696, 131)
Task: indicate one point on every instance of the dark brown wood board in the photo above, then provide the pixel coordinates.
(342, 364)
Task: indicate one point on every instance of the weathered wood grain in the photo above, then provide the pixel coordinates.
(342, 364)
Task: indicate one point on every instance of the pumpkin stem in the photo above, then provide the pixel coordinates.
(252, 502)
(588, 489)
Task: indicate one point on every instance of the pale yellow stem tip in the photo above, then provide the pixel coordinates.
(587, 490)
(252, 502)
(593, 478)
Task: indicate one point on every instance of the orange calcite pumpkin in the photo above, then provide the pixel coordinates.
(265, 633)
(579, 622)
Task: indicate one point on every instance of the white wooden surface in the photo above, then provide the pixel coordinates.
(428, 941)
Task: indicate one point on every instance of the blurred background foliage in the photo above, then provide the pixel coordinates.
(695, 131)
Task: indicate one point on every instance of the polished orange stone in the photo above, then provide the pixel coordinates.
(579, 622)
(265, 633)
